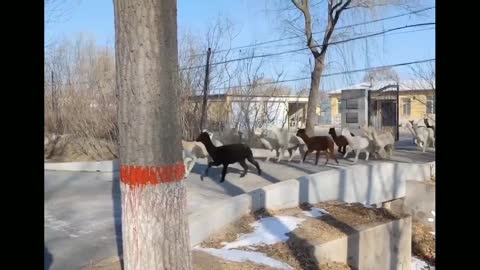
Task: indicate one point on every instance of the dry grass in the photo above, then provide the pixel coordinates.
(342, 220)
(423, 242)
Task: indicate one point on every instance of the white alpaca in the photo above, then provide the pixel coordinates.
(383, 141)
(281, 141)
(357, 143)
(196, 148)
(297, 146)
(189, 160)
(423, 135)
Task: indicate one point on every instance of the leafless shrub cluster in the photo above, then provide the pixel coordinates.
(80, 98)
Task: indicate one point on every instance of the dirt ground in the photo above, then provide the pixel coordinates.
(205, 261)
(67, 148)
(423, 242)
(200, 260)
(342, 219)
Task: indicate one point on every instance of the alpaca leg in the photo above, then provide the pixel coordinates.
(271, 154)
(327, 155)
(317, 155)
(245, 168)
(280, 154)
(210, 164)
(390, 151)
(334, 157)
(305, 155)
(255, 163)
(290, 151)
(356, 156)
(224, 172)
(367, 154)
(189, 165)
(347, 150)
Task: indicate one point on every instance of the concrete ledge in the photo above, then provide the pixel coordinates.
(419, 202)
(370, 184)
(363, 250)
(84, 166)
(277, 196)
(113, 165)
(208, 220)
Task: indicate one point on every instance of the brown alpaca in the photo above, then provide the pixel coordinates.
(317, 143)
(340, 141)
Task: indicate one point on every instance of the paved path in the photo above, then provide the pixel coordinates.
(82, 209)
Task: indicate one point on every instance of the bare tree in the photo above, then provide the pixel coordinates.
(256, 102)
(335, 9)
(192, 60)
(80, 101)
(424, 78)
(155, 229)
(424, 74)
(381, 74)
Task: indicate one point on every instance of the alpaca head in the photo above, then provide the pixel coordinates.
(346, 133)
(203, 137)
(331, 131)
(301, 132)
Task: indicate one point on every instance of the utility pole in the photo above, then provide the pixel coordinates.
(203, 119)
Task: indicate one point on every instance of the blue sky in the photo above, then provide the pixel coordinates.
(255, 24)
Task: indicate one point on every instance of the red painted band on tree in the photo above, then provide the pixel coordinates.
(149, 175)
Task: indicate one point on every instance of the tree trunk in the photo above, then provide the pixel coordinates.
(314, 96)
(154, 224)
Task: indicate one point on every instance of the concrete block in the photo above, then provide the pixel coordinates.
(373, 183)
(414, 171)
(277, 196)
(420, 201)
(384, 246)
(370, 184)
(206, 221)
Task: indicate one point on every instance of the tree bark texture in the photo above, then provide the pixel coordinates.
(335, 8)
(154, 224)
(314, 96)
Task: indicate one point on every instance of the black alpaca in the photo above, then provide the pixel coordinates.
(227, 154)
(427, 124)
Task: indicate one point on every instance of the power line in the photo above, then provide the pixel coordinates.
(305, 48)
(388, 34)
(329, 74)
(319, 32)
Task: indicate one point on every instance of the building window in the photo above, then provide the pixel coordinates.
(407, 105)
(430, 104)
(339, 107)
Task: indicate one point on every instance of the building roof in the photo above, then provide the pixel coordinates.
(408, 85)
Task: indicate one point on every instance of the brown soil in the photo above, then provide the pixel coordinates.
(201, 261)
(230, 232)
(69, 148)
(342, 219)
(423, 242)
(205, 261)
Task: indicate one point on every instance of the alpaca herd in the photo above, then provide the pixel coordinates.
(278, 141)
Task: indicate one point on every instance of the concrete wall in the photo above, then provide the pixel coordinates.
(370, 184)
(385, 246)
(84, 166)
(208, 220)
(420, 201)
(360, 96)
